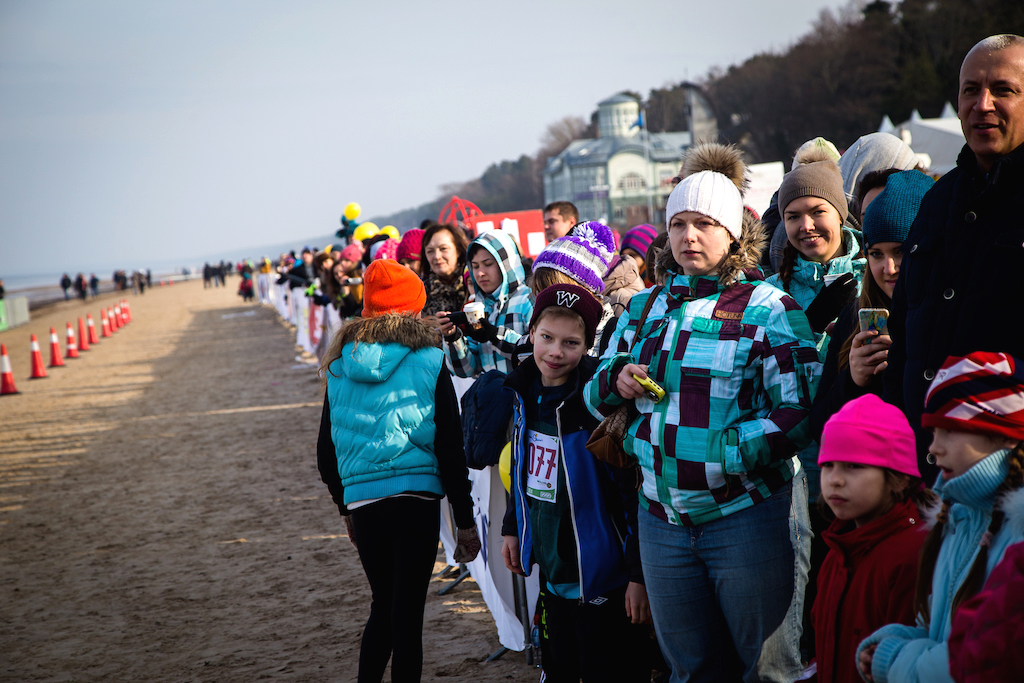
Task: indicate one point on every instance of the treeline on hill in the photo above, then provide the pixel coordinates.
(852, 68)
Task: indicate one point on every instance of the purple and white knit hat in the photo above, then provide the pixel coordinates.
(583, 254)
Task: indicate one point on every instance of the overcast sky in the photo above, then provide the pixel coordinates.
(143, 131)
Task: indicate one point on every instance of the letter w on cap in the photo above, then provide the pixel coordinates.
(567, 299)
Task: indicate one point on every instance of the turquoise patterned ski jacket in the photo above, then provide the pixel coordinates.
(739, 368)
(509, 308)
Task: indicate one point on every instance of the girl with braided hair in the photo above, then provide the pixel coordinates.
(975, 408)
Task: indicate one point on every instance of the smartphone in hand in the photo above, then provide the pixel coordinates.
(874, 319)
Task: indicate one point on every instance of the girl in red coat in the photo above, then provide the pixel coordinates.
(872, 485)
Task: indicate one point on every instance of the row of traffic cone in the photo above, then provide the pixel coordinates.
(113, 319)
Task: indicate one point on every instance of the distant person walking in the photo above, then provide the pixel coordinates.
(65, 284)
(94, 285)
(81, 289)
(1, 290)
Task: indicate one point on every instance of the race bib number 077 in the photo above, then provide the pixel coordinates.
(542, 466)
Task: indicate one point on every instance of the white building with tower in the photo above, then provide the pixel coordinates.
(624, 176)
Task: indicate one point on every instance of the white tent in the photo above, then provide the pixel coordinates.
(936, 141)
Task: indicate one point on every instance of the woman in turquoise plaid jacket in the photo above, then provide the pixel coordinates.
(738, 363)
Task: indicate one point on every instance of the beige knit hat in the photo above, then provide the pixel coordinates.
(817, 176)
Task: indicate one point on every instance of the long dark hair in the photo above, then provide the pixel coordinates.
(933, 543)
(871, 296)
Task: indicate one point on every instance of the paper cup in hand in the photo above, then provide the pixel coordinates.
(474, 311)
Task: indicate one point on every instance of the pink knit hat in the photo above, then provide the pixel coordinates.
(350, 253)
(411, 245)
(869, 431)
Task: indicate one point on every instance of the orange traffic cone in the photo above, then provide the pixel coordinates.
(6, 374)
(93, 337)
(114, 314)
(55, 358)
(38, 371)
(72, 347)
(105, 323)
(83, 341)
(120, 315)
(127, 310)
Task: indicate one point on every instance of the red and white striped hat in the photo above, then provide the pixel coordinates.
(981, 393)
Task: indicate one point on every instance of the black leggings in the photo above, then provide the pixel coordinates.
(397, 543)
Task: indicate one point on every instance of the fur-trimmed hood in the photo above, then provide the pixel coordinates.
(744, 257)
(373, 347)
(1013, 505)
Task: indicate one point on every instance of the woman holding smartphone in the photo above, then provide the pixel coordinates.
(857, 354)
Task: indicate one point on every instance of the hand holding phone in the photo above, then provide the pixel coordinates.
(876, 319)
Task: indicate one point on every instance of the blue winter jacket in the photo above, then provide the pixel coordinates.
(382, 419)
(603, 511)
(909, 654)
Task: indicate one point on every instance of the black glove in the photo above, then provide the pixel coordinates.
(467, 545)
(831, 301)
(486, 333)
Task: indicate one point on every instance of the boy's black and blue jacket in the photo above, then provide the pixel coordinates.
(602, 499)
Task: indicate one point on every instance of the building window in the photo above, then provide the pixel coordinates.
(632, 182)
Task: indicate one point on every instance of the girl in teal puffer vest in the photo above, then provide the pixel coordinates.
(390, 448)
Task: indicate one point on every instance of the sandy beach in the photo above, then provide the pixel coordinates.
(162, 517)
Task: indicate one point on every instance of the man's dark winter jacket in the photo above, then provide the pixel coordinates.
(961, 284)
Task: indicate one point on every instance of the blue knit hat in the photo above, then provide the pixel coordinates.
(639, 238)
(583, 254)
(890, 215)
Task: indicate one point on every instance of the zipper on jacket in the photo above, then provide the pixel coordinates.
(517, 434)
(572, 506)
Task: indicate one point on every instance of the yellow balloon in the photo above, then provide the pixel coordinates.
(365, 231)
(505, 466)
(391, 231)
(352, 211)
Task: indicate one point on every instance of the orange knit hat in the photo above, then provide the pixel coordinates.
(390, 287)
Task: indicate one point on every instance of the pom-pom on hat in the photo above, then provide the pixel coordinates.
(411, 245)
(390, 287)
(982, 393)
(890, 215)
(583, 254)
(714, 178)
(639, 238)
(869, 431)
(575, 298)
(818, 176)
(818, 144)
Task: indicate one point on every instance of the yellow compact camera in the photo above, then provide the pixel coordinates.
(651, 388)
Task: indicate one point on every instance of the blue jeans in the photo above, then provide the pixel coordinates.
(720, 593)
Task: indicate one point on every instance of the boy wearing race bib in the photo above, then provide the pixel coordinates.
(566, 513)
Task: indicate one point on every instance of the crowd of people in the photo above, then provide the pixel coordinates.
(790, 446)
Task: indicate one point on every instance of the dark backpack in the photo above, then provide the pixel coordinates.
(486, 416)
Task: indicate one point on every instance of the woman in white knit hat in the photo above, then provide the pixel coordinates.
(737, 363)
